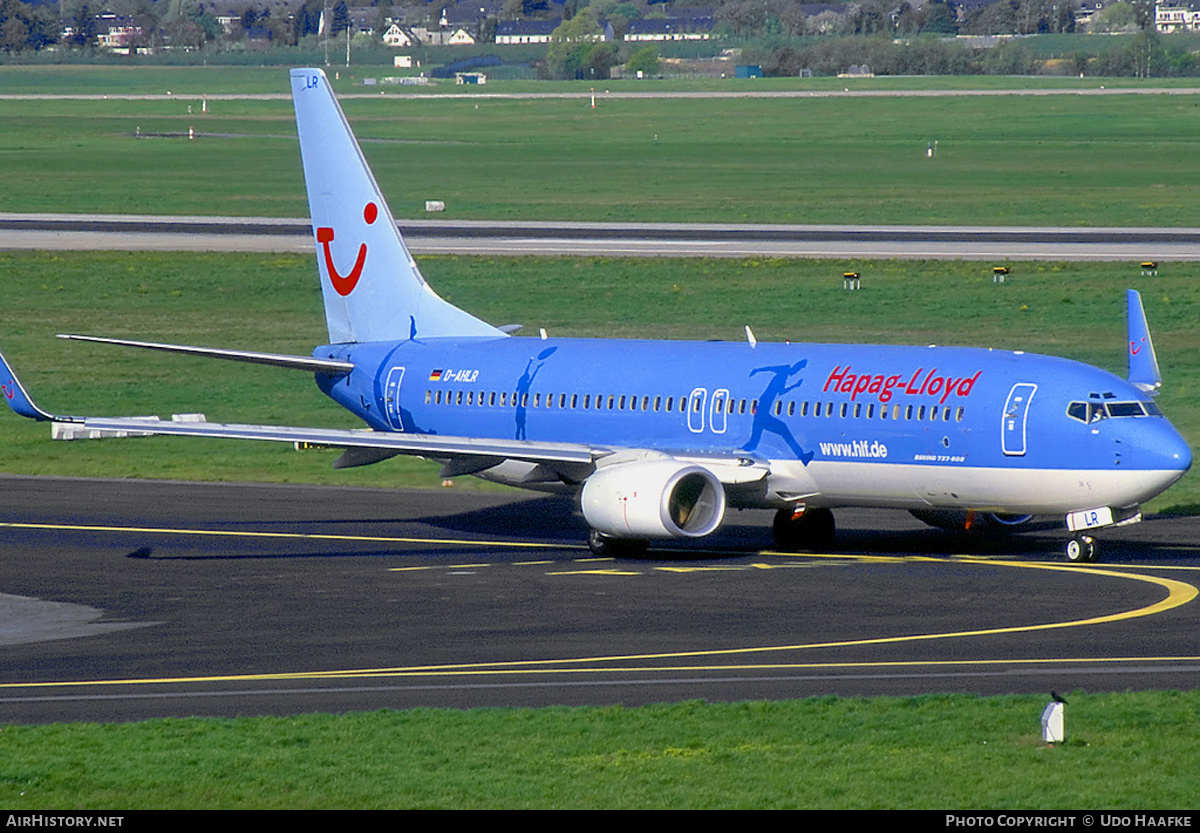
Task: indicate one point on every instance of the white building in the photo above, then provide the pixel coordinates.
(1169, 19)
(398, 37)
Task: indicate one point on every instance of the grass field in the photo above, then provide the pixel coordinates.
(1011, 160)
(114, 78)
(1129, 751)
(265, 302)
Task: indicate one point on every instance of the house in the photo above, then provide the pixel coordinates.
(1168, 19)
(525, 31)
(682, 28)
(399, 36)
(119, 33)
(458, 37)
(1087, 12)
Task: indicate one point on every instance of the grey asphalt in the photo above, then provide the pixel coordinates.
(130, 599)
(439, 236)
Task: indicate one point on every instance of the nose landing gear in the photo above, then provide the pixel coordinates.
(1081, 549)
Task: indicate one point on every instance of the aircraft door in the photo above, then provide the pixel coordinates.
(391, 397)
(717, 419)
(696, 410)
(1016, 411)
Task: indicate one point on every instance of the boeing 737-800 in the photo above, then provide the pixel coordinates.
(659, 438)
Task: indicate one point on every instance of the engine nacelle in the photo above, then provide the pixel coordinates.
(653, 499)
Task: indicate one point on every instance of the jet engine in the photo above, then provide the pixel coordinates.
(653, 499)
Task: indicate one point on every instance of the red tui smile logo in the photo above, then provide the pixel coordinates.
(344, 285)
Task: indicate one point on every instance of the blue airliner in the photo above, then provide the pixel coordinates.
(660, 438)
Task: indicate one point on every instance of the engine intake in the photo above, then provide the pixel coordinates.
(654, 499)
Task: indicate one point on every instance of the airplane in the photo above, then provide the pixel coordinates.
(660, 438)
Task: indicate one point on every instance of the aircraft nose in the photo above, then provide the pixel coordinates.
(1163, 450)
(1176, 450)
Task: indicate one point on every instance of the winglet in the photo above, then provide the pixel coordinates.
(1143, 364)
(15, 395)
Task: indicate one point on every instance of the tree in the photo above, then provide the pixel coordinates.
(1143, 14)
(14, 34)
(1118, 17)
(939, 19)
(571, 45)
(341, 18)
(644, 60)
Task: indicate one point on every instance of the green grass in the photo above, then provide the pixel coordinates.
(114, 77)
(1068, 161)
(271, 302)
(1019, 160)
(1130, 751)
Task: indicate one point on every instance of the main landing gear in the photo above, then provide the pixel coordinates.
(1081, 549)
(803, 528)
(606, 546)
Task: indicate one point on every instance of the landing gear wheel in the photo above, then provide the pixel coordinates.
(606, 546)
(810, 529)
(1081, 549)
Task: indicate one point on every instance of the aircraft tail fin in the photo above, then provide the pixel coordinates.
(1143, 363)
(370, 283)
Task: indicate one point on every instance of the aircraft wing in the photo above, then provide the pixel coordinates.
(425, 445)
(364, 446)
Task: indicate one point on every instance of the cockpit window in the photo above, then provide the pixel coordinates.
(1089, 412)
(1125, 409)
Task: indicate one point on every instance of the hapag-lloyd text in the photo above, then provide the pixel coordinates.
(841, 380)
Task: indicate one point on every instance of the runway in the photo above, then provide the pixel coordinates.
(128, 599)
(499, 238)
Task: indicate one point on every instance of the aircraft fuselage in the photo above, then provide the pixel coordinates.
(840, 424)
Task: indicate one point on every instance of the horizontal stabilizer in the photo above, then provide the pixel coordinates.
(327, 367)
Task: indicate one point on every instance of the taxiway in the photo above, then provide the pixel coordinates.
(130, 599)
